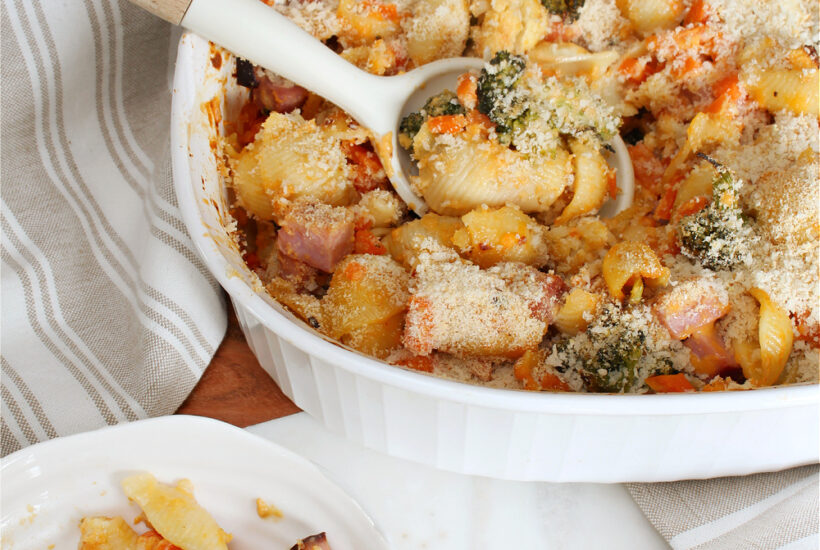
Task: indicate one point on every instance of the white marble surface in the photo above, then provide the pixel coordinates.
(420, 508)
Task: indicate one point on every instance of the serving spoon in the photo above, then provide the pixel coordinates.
(254, 31)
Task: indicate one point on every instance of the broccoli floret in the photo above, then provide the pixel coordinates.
(529, 114)
(711, 236)
(567, 9)
(613, 367)
(409, 127)
(612, 354)
(445, 103)
(496, 98)
(717, 235)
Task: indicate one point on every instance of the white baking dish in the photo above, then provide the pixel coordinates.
(459, 427)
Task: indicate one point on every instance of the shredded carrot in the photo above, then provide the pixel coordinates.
(368, 173)
(365, 242)
(420, 339)
(252, 259)
(717, 384)
(362, 223)
(727, 85)
(551, 382)
(559, 32)
(354, 271)
(612, 184)
(698, 13)
(522, 370)
(389, 12)
(447, 124)
(690, 39)
(727, 92)
(423, 363)
(648, 168)
(805, 331)
(690, 64)
(466, 91)
(151, 540)
(636, 71)
(663, 212)
(477, 118)
(669, 383)
(693, 205)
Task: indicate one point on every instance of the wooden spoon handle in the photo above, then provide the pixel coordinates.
(170, 10)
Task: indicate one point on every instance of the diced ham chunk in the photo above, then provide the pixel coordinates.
(548, 304)
(282, 99)
(319, 235)
(689, 306)
(302, 275)
(270, 92)
(709, 354)
(689, 312)
(313, 542)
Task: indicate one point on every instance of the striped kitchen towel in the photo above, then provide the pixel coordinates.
(756, 512)
(108, 314)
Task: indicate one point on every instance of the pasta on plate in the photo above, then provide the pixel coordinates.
(174, 519)
(708, 281)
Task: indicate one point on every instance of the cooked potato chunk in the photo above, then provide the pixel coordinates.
(365, 289)
(379, 338)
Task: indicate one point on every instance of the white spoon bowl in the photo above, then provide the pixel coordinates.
(258, 33)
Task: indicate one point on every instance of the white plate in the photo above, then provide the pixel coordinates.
(49, 487)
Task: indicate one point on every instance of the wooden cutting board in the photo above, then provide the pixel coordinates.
(235, 388)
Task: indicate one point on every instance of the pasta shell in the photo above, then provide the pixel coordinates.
(457, 175)
(627, 261)
(491, 236)
(778, 89)
(378, 338)
(776, 339)
(250, 188)
(649, 15)
(590, 182)
(578, 307)
(292, 158)
(568, 59)
(174, 514)
(431, 233)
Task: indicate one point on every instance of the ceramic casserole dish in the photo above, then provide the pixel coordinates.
(507, 434)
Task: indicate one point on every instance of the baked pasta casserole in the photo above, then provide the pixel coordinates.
(708, 281)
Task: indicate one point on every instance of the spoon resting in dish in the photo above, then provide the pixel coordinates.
(254, 31)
